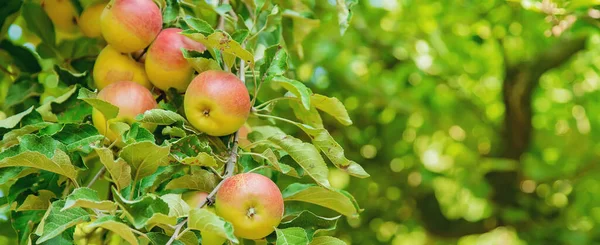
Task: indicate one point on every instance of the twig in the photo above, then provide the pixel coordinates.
(100, 172)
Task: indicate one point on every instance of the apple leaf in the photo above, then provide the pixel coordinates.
(200, 61)
(295, 87)
(144, 158)
(87, 198)
(162, 174)
(177, 207)
(310, 117)
(78, 137)
(173, 132)
(14, 120)
(199, 25)
(291, 236)
(301, 27)
(39, 202)
(273, 161)
(11, 137)
(337, 200)
(344, 13)
(160, 117)
(38, 22)
(327, 240)
(310, 222)
(137, 133)
(305, 154)
(119, 170)
(157, 238)
(107, 109)
(56, 221)
(202, 159)
(160, 219)
(324, 142)
(140, 211)
(118, 128)
(59, 163)
(331, 106)
(46, 109)
(223, 42)
(201, 180)
(206, 221)
(117, 226)
(191, 151)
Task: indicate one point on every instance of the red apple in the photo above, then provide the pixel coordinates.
(252, 203)
(130, 25)
(131, 98)
(165, 64)
(217, 103)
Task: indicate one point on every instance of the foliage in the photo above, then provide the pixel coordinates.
(65, 183)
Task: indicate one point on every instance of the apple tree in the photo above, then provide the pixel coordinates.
(155, 122)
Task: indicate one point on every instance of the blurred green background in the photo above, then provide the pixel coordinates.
(477, 120)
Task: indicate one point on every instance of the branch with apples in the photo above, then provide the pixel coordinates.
(147, 110)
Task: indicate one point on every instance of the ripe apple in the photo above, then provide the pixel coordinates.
(62, 13)
(165, 64)
(113, 66)
(130, 25)
(89, 21)
(194, 199)
(252, 203)
(217, 103)
(131, 99)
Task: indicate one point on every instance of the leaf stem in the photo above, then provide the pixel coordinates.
(266, 103)
(277, 118)
(97, 176)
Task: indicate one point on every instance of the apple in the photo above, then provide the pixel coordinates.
(165, 64)
(130, 25)
(217, 103)
(62, 14)
(89, 21)
(194, 199)
(113, 66)
(131, 98)
(252, 203)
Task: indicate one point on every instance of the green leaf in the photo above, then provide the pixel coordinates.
(274, 162)
(160, 219)
(115, 225)
(107, 109)
(333, 107)
(223, 42)
(160, 117)
(23, 223)
(39, 202)
(208, 222)
(305, 154)
(21, 91)
(157, 238)
(337, 200)
(59, 163)
(345, 13)
(143, 210)
(295, 87)
(11, 137)
(78, 137)
(324, 142)
(173, 132)
(87, 198)
(310, 222)
(199, 25)
(72, 110)
(170, 11)
(202, 159)
(291, 236)
(201, 62)
(14, 120)
(240, 35)
(327, 240)
(201, 180)
(56, 221)
(144, 158)
(275, 62)
(191, 151)
(22, 57)
(38, 22)
(137, 133)
(177, 206)
(46, 109)
(301, 27)
(119, 170)
(164, 173)
(310, 117)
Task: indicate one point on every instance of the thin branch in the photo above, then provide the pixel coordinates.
(100, 172)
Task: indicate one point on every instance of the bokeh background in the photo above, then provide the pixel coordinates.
(477, 120)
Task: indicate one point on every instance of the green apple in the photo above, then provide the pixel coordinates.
(217, 103)
(165, 65)
(252, 203)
